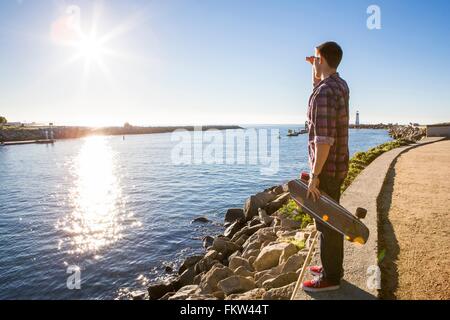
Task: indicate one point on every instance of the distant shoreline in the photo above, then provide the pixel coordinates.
(11, 134)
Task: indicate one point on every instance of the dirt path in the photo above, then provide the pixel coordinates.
(414, 225)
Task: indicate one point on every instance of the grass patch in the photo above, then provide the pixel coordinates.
(300, 244)
(362, 159)
(292, 211)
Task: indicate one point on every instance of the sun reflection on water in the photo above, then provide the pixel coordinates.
(98, 217)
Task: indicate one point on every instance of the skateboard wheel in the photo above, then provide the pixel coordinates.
(361, 213)
(304, 176)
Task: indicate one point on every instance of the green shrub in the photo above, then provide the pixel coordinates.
(362, 159)
(294, 212)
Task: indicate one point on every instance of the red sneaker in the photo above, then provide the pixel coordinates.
(316, 270)
(319, 285)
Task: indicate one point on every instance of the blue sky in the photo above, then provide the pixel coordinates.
(221, 61)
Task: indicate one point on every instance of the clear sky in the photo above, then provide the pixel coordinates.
(218, 61)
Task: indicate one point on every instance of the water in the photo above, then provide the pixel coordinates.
(118, 209)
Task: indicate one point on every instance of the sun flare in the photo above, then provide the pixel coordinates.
(90, 48)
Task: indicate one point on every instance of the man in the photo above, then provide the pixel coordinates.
(328, 120)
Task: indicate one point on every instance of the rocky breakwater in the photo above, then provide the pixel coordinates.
(411, 132)
(258, 257)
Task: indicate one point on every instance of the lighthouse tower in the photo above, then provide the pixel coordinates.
(357, 119)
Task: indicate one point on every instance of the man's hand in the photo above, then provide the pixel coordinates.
(313, 188)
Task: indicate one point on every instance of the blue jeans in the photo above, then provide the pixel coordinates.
(331, 242)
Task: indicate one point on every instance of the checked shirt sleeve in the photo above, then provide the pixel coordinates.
(324, 117)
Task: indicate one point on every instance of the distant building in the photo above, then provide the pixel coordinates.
(13, 124)
(357, 119)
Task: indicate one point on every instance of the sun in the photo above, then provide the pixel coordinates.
(90, 48)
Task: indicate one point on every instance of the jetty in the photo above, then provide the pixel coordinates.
(15, 143)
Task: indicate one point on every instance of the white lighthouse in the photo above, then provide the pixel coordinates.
(357, 119)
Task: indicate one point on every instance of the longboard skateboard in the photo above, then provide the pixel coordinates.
(329, 212)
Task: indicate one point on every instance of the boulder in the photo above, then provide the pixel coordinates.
(248, 230)
(290, 250)
(201, 220)
(294, 262)
(257, 201)
(280, 281)
(167, 295)
(234, 214)
(255, 294)
(217, 273)
(184, 292)
(269, 256)
(251, 260)
(224, 246)
(242, 271)
(207, 242)
(189, 262)
(187, 277)
(266, 277)
(207, 262)
(237, 262)
(236, 284)
(242, 239)
(233, 228)
(283, 293)
(250, 253)
(139, 295)
(158, 290)
(276, 205)
(264, 217)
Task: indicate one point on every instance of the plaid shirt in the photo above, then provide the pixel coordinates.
(328, 120)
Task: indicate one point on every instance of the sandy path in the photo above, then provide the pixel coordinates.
(414, 215)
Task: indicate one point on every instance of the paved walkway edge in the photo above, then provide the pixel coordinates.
(361, 262)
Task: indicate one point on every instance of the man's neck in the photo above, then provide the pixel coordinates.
(327, 74)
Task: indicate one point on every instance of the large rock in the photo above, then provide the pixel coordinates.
(189, 262)
(290, 250)
(201, 220)
(283, 293)
(187, 277)
(184, 292)
(224, 246)
(237, 262)
(276, 205)
(158, 290)
(233, 228)
(280, 281)
(257, 201)
(294, 262)
(269, 256)
(207, 242)
(217, 273)
(207, 262)
(234, 214)
(261, 236)
(236, 284)
(248, 230)
(242, 271)
(264, 217)
(255, 294)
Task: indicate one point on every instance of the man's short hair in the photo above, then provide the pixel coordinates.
(332, 52)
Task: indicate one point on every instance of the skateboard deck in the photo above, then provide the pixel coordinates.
(329, 212)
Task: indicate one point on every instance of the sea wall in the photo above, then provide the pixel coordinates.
(36, 133)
